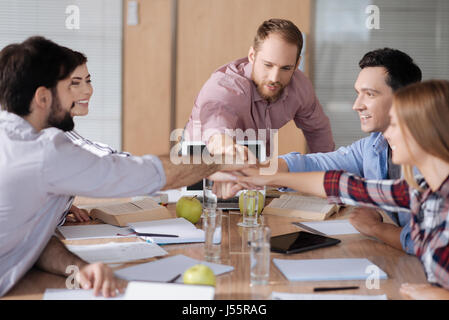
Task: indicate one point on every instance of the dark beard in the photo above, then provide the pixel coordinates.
(54, 120)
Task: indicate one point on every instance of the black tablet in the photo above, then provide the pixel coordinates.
(300, 241)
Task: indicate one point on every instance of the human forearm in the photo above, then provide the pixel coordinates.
(282, 165)
(97, 276)
(307, 182)
(56, 258)
(388, 233)
(178, 175)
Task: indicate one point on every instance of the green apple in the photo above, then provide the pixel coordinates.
(199, 274)
(260, 202)
(189, 208)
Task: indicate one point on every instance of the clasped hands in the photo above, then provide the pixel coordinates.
(228, 183)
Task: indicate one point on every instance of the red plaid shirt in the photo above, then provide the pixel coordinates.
(430, 213)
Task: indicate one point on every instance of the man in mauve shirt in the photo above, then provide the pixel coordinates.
(261, 92)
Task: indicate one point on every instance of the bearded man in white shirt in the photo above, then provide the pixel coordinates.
(41, 170)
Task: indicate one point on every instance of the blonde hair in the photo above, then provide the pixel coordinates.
(423, 109)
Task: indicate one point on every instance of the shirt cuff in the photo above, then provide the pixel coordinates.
(331, 185)
(406, 239)
(160, 171)
(293, 160)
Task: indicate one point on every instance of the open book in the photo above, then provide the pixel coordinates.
(298, 206)
(120, 214)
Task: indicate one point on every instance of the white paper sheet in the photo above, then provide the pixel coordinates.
(167, 291)
(139, 291)
(303, 296)
(328, 269)
(75, 294)
(186, 230)
(94, 231)
(332, 227)
(115, 252)
(165, 269)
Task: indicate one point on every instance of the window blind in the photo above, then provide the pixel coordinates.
(99, 37)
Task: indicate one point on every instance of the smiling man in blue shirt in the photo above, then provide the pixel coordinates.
(383, 72)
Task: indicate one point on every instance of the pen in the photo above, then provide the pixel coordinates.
(334, 288)
(174, 279)
(162, 235)
(157, 235)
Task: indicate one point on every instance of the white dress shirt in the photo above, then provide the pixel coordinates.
(40, 172)
(100, 149)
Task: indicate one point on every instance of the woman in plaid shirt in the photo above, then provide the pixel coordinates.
(419, 137)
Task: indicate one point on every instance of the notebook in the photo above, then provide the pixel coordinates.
(139, 291)
(94, 231)
(326, 269)
(167, 291)
(115, 252)
(165, 269)
(186, 231)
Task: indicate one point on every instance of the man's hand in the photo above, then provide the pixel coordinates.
(423, 292)
(222, 144)
(100, 278)
(365, 220)
(77, 215)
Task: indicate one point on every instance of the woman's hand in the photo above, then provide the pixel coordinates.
(413, 291)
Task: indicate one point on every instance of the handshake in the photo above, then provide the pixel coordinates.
(233, 178)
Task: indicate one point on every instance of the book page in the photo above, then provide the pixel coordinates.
(129, 207)
(297, 202)
(333, 227)
(146, 204)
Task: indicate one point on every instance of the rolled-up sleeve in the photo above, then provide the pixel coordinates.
(346, 188)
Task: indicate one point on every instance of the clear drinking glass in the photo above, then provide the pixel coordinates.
(250, 210)
(212, 232)
(260, 255)
(209, 197)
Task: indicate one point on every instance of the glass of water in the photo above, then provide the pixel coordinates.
(250, 208)
(212, 232)
(209, 197)
(260, 255)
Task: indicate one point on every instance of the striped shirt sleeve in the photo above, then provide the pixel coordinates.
(346, 188)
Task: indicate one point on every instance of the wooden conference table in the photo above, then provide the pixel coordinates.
(235, 285)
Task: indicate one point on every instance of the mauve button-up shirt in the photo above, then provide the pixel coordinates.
(230, 100)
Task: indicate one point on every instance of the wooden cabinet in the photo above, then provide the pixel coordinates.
(210, 33)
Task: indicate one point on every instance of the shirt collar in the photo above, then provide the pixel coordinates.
(16, 124)
(380, 143)
(248, 68)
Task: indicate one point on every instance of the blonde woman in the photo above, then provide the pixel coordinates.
(419, 137)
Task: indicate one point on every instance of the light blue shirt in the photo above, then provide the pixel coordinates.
(40, 173)
(367, 158)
